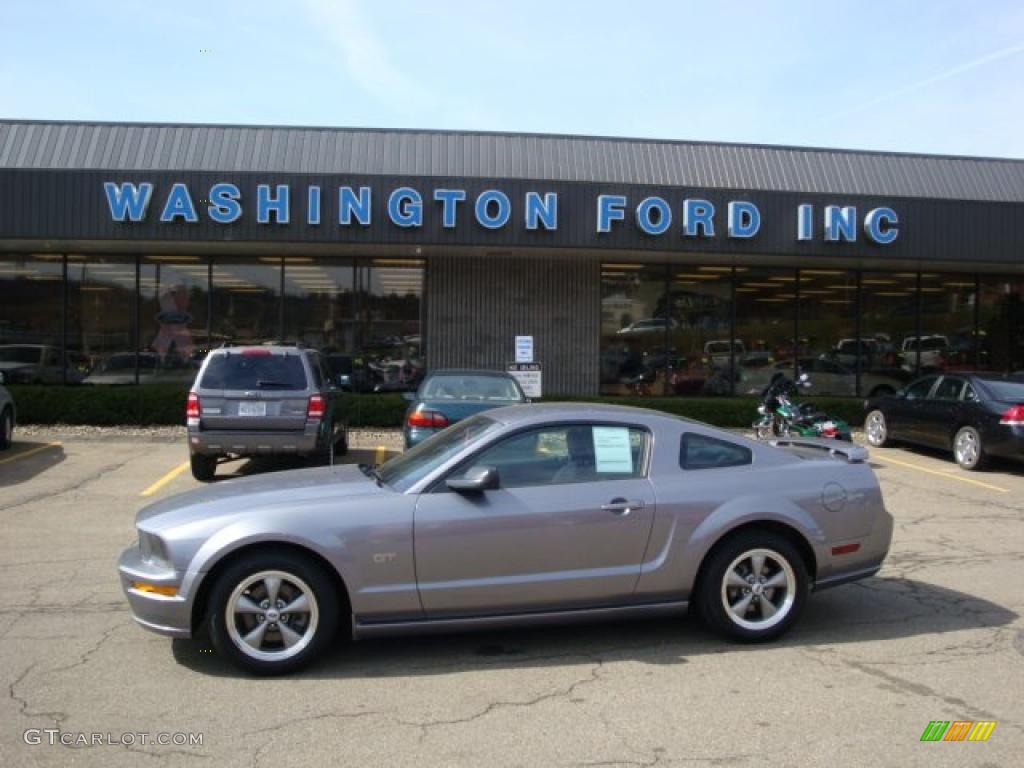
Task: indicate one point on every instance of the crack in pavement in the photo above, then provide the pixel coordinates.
(77, 485)
(57, 716)
(260, 751)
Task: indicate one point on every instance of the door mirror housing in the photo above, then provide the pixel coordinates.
(475, 480)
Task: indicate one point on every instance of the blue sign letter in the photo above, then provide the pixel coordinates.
(609, 209)
(224, 207)
(805, 222)
(698, 215)
(313, 206)
(127, 201)
(542, 211)
(744, 219)
(349, 205)
(657, 224)
(265, 204)
(483, 214)
(880, 225)
(448, 198)
(405, 207)
(840, 223)
(179, 203)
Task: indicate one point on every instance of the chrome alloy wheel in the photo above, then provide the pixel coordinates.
(759, 589)
(875, 428)
(272, 616)
(966, 448)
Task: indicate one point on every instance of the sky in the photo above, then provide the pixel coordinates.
(945, 76)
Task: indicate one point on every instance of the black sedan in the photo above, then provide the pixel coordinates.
(976, 415)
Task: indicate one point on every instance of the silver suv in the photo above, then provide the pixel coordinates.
(262, 401)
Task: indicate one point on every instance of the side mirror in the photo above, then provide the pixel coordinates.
(409, 396)
(475, 480)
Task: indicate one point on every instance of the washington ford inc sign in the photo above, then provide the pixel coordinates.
(406, 207)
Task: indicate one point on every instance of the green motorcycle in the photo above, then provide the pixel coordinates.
(781, 417)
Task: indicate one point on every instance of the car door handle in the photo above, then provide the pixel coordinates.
(622, 506)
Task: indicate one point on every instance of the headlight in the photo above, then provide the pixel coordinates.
(153, 550)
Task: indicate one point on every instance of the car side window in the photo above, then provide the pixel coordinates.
(970, 395)
(949, 389)
(704, 452)
(575, 453)
(314, 367)
(920, 388)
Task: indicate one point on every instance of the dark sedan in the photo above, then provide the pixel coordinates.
(975, 415)
(448, 396)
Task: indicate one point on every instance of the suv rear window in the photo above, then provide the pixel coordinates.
(235, 370)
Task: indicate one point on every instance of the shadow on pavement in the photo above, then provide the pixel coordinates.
(26, 459)
(874, 610)
(996, 466)
(264, 464)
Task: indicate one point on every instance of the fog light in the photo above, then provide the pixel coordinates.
(155, 589)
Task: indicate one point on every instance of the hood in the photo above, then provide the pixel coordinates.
(222, 501)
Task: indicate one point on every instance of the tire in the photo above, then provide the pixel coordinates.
(270, 651)
(341, 448)
(203, 467)
(968, 451)
(720, 591)
(6, 429)
(876, 429)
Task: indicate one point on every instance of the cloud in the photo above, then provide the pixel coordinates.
(947, 74)
(365, 56)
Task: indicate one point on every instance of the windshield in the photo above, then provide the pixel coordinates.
(1006, 391)
(470, 387)
(247, 370)
(20, 354)
(419, 461)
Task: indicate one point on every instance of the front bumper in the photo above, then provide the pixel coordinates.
(166, 615)
(218, 443)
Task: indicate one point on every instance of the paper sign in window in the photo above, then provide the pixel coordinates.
(611, 450)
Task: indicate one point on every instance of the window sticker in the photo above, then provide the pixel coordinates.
(611, 450)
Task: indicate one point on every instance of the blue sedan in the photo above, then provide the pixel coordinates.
(448, 396)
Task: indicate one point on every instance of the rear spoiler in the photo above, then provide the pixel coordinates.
(854, 454)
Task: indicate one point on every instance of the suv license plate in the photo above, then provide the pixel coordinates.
(252, 409)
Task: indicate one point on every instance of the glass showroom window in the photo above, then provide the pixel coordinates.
(101, 319)
(319, 303)
(173, 312)
(948, 336)
(830, 351)
(635, 321)
(765, 326)
(700, 309)
(1001, 324)
(31, 308)
(245, 300)
(390, 351)
(888, 305)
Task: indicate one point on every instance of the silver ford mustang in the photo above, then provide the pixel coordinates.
(523, 515)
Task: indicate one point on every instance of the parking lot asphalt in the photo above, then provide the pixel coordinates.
(937, 635)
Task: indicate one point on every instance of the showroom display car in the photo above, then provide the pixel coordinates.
(976, 416)
(517, 516)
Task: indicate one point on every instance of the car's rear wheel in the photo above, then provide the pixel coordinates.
(754, 587)
(6, 429)
(968, 450)
(272, 613)
(203, 467)
(876, 429)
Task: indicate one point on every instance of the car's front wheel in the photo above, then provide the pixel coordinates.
(754, 587)
(876, 430)
(968, 450)
(6, 429)
(272, 613)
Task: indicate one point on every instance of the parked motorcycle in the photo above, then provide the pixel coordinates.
(781, 417)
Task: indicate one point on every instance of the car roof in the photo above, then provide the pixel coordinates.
(272, 348)
(467, 372)
(550, 412)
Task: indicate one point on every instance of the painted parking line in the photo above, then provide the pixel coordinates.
(166, 479)
(30, 452)
(948, 475)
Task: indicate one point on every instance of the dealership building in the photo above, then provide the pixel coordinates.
(634, 266)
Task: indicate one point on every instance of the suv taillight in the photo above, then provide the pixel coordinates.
(316, 407)
(192, 406)
(1013, 417)
(429, 419)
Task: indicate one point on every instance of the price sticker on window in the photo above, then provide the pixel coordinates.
(611, 450)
